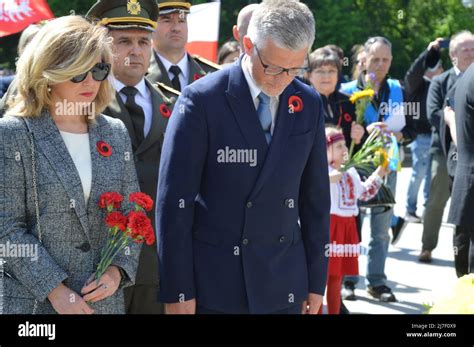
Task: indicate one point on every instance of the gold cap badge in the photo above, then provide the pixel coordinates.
(134, 7)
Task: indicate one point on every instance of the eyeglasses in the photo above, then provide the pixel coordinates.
(276, 70)
(99, 71)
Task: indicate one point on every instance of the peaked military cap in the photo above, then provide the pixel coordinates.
(167, 6)
(125, 14)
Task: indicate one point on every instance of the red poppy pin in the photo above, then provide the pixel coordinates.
(295, 104)
(347, 117)
(104, 149)
(165, 110)
(198, 76)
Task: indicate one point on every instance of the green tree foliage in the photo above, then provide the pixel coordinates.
(409, 24)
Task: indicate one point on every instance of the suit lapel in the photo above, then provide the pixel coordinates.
(158, 70)
(195, 70)
(452, 80)
(283, 126)
(99, 162)
(49, 141)
(158, 122)
(118, 110)
(240, 101)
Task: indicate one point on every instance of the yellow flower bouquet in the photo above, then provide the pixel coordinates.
(461, 301)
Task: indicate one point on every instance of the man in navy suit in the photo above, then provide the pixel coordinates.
(462, 198)
(243, 195)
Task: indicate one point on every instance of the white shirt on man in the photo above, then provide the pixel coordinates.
(143, 99)
(183, 65)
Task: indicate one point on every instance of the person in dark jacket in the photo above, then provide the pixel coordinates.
(461, 51)
(462, 202)
(417, 82)
(324, 69)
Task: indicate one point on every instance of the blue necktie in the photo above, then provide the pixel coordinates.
(265, 115)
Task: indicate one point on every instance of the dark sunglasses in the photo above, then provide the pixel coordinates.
(100, 71)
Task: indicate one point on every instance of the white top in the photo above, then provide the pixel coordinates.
(143, 99)
(183, 65)
(255, 92)
(346, 192)
(79, 149)
(456, 70)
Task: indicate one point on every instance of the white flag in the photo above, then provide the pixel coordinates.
(203, 32)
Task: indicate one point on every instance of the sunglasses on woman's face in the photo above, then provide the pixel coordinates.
(100, 71)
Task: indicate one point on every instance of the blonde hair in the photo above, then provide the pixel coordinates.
(27, 35)
(65, 47)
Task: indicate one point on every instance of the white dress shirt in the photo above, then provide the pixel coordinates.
(255, 92)
(143, 99)
(183, 65)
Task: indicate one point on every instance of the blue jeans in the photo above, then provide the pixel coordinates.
(420, 150)
(379, 242)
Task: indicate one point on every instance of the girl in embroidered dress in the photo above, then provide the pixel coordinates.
(346, 189)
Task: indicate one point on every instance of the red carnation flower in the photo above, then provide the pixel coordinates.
(110, 200)
(150, 237)
(142, 200)
(198, 76)
(104, 149)
(165, 111)
(140, 226)
(116, 219)
(295, 103)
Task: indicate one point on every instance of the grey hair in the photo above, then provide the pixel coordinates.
(289, 24)
(457, 38)
(376, 39)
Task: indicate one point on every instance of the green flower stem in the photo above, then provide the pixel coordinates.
(351, 150)
(105, 258)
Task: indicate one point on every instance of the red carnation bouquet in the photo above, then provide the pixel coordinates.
(124, 229)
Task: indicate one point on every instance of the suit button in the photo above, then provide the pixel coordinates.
(282, 239)
(85, 247)
(245, 241)
(249, 204)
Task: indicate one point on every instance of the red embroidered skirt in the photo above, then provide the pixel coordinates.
(344, 247)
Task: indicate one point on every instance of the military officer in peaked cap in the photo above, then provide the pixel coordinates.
(144, 109)
(170, 63)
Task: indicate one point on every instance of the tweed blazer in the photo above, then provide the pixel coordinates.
(73, 233)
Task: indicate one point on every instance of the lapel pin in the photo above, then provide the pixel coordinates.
(198, 76)
(165, 110)
(104, 149)
(295, 104)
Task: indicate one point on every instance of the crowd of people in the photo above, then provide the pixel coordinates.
(240, 234)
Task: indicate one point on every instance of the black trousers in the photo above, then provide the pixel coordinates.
(294, 309)
(142, 299)
(463, 243)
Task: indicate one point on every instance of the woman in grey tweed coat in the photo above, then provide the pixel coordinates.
(66, 63)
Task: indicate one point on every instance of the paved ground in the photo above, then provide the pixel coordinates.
(414, 283)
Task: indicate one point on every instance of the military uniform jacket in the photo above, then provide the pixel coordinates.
(198, 68)
(147, 161)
